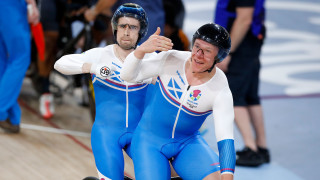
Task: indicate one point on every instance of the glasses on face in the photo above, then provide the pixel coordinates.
(207, 53)
(131, 27)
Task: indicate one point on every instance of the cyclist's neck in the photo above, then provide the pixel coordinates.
(121, 53)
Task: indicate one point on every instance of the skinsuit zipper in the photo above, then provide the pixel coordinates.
(177, 117)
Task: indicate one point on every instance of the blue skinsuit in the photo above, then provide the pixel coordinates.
(173, 114)
(119, 106)
(15, 56)
(118, 111)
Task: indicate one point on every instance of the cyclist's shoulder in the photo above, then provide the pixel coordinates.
(171, 53)
(177, 55)
(108, 48)
(180, 54)
(98, 50)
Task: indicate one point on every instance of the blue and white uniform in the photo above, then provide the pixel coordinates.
(174, 112)
(119, 106)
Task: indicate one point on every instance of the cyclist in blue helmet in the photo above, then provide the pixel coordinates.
(153, 8)
(119, 104)
(134, 11)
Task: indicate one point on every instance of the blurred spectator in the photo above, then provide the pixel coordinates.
(15, 56)
(51, 12)
(175, 13)
(244, 19)
(55, 26)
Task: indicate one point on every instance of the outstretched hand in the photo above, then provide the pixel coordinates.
(156, 42)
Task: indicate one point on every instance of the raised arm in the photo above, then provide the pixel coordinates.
(223, 115)
(144, 63)
(154, 43)
(77, 63)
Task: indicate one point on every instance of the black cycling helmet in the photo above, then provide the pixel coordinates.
(217, 36)
(134, 11)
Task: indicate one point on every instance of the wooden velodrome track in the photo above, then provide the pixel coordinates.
(55, 149)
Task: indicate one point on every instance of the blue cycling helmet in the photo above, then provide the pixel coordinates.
(130, 10)
(217, 36)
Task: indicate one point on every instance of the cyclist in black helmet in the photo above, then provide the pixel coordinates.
(119, 104)
(188, 89)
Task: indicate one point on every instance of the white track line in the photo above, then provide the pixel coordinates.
(54, 130)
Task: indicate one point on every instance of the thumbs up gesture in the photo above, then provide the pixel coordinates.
(156, 42)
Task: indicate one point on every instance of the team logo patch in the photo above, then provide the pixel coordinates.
(105, 71)
(195, 95)
(174, 89)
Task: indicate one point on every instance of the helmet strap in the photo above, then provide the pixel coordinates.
(210, 69)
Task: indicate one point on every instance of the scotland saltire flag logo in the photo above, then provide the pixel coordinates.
(195, 95)
(116, 76)
(174, 89)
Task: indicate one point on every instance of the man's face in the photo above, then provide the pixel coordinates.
(203, 54)
(128, 32)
